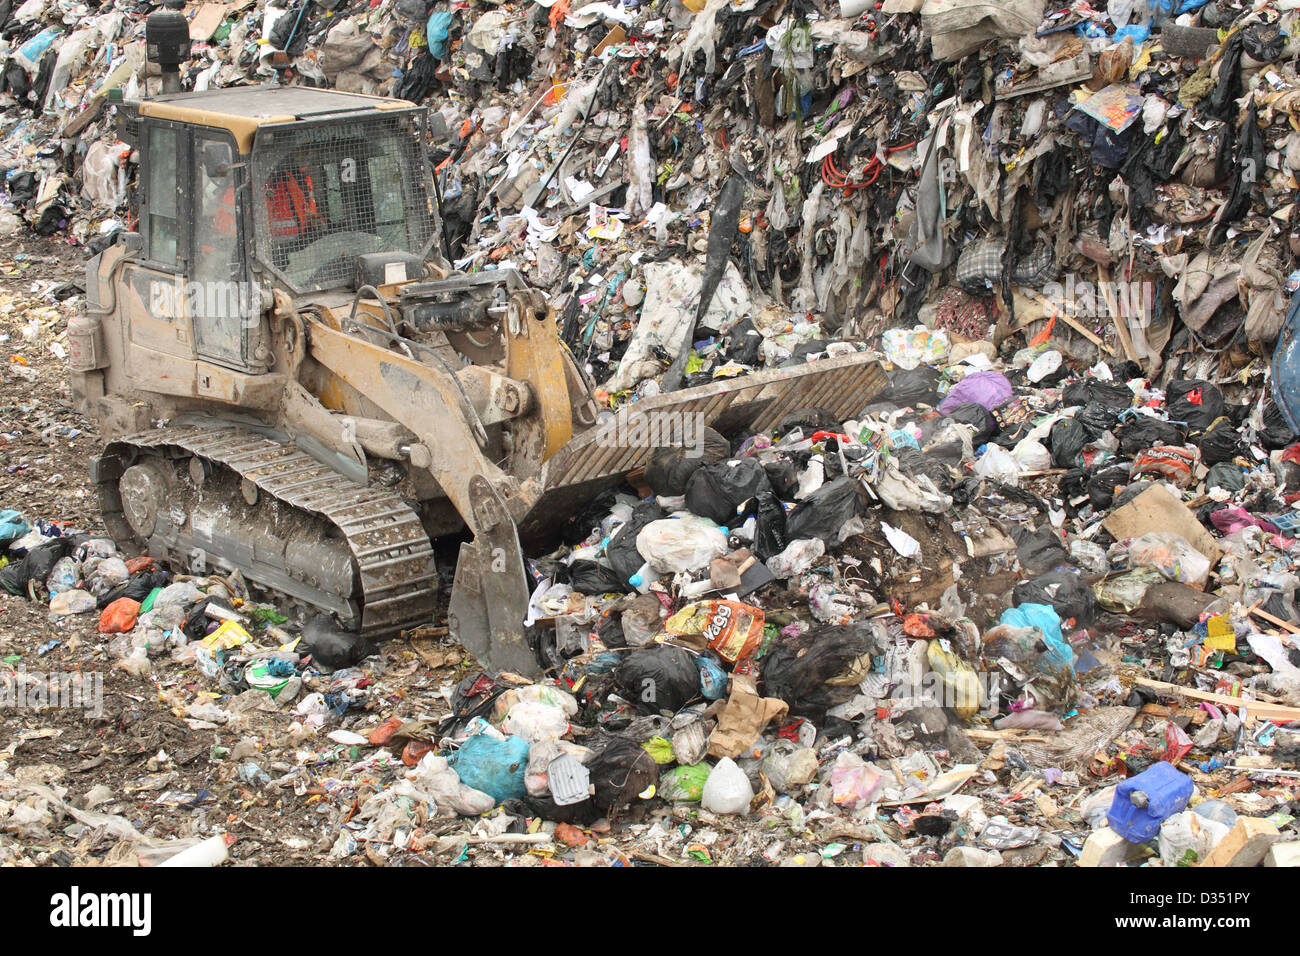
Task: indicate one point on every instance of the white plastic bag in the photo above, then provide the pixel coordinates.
(798, 557)
(687, 543)
(1188, 831)
(1171, 555)
(728, 789)
(998, 464)
(1032, 455)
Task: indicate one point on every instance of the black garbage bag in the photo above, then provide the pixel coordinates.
(1193, 401)
(330, 647)
(1129, 492)
(1040, 551)
(54, 218)
(621, 771)
(1065, 590)
(136, 587)
(783, 475)
(1222, 101)
(658, 678)
(1263, 41)
(35, 565)
(823, 513)
(1227, 476)
(618, 774)
(292, 29)
(744, 342)
(1113, 395)
(577, 527)
(1142, 432)
(933, 464)
(1220, 442)
(1250, 155)
(810, 420)
(590, 577)
(797, 669)
(914, 386)
(621, 552)
(197, 622)
(671, 468)
(1276, 433)
(1073, 484)
(716, 491)
(979, 418)
(1104, 483)
(610, 630)
(1065, 441)
(1096, 419)
(770, 537)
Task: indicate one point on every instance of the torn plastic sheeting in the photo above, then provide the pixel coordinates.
(901, 541)
(668, 313)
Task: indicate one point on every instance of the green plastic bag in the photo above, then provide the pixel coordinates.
(684, 784)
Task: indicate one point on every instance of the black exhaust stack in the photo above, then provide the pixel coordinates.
(167, 42)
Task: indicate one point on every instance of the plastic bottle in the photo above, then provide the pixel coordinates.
(643, 578)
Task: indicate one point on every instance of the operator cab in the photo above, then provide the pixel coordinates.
(246, 190)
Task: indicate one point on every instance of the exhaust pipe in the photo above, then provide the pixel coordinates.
(167, 42)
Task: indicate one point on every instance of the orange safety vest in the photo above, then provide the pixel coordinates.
(292, 210)
(224, 220)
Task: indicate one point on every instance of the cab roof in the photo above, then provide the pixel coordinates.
(241, 110)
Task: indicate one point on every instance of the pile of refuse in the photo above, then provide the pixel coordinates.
(964, 628)
(1117, 177)
(1034, 604)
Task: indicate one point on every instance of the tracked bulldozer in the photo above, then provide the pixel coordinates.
(291, 380)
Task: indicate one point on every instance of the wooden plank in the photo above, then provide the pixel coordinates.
(1112, 306)
(206, 21)
(1285, 625)
(1257, 709)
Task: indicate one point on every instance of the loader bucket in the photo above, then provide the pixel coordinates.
(601, 457)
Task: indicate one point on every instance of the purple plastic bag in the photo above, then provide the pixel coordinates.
(990, 389)
(1229, 520)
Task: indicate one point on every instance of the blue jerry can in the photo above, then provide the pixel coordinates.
(1143, 802)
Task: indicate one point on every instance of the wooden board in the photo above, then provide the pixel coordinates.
(206, 21)
(1257, 709)
(1157, 510)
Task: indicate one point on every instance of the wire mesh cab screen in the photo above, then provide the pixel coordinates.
(327, 191)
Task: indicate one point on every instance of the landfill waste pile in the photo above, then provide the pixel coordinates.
(1034, 604)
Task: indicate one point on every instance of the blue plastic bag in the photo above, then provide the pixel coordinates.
(1041, 616)
(436, 31)
(496, 767)
(12, 526)
(713, 679)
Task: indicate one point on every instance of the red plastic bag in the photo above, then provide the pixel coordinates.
(1177, 744)
(119, 617)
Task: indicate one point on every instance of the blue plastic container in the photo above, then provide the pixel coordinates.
(1143, 802)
